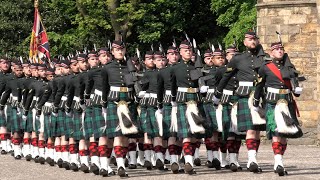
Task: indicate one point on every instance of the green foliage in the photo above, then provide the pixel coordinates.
(238, 15)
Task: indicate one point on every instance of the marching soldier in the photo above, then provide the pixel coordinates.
(117, 100)
(13, 91)
(278, 77)
(245, 66)
(184, 90)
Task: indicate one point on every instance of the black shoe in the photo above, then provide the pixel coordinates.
(197, 162)
(74, 167)
(148, 165)
(126, 162)
(104, 172)
(94, 169)
(233, 167)
(216, 164)
(122, 172)
(113, 161)
(59, 163)
(159, 164)
(132, 166)
(226, 167)
(112, 173)
(254, 168)
(181, 171)
(175, 168)
(42, 160)
(189, 169)
(3, 152)
(51, 162)
(209, 164)
(84, 168)
(166, 161)
(17, 157)
(48, 160)
(66, 165)
(28, 157)
(280, 170)
(36, 159)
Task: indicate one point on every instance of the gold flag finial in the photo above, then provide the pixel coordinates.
(36, 3)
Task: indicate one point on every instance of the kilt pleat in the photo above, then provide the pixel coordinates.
(98, 123)
(15, 121)
(152, 128)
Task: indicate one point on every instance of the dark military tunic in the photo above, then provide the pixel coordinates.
(113, 76)
(277, 90)
(245, 68)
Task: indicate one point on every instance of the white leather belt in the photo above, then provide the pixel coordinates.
(227, 92)
(245, 83)
(120, 89)
(63, 98)
(152, 95)
(168, 92)
(188, 90)
(211, 90)
(75, 98)
(48, 104)
(35, 98)
(15, 98)
(278, 91)
(97, 92)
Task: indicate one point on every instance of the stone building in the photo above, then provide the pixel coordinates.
(299, 23)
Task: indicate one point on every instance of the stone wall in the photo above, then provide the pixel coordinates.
(299, 25)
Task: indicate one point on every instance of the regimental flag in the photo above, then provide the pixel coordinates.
(39, 44)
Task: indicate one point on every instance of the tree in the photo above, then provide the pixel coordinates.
(239, 16)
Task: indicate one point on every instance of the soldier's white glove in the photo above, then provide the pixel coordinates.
(24, 117)
(87, 102)
(215, 100)
(160, 111)
(204, 89)
(141, 94)
(83, 107)
(104, 110)
(256, 108)
(174, 104)
(298, 90)
(54, 114)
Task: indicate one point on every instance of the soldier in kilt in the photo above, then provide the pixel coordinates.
(4, 76)
(231, 137)
(184, 90)
(164, 99)
(245, 67)
(61, 121)
(44, 109)
(13, 91)
(118, 103)
(278, 77)
(214, 60)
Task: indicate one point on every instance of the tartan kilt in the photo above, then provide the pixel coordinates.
(8, 118)
(35, 122)
(143, 119)
(88, 124)
(183, 125)
(3, 120)
(98, 123)
(57, 123)
(68, 126)
(27, 124)
(226, 118)
(151, 125)
(112, 121)
(166, 122)
(47, 127)
(15, 120)
(211, 119)
(245, 118)
(77, 129)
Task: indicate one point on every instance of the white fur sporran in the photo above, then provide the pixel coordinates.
(192, 108)
(122, 109)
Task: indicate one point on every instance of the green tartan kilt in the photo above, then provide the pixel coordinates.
(98, 123)
(143, 119)
(57, 123)
(166, 123)
(47, 126)
(151, 125)
(113, 119)
(27, 124)
(68, 126)
(88, 124)
(15, 120)
(3, 118)
(8, 118)
(244, 117)
(76, 124)
(211, 119)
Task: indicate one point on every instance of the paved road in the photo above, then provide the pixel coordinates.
(302, 162)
